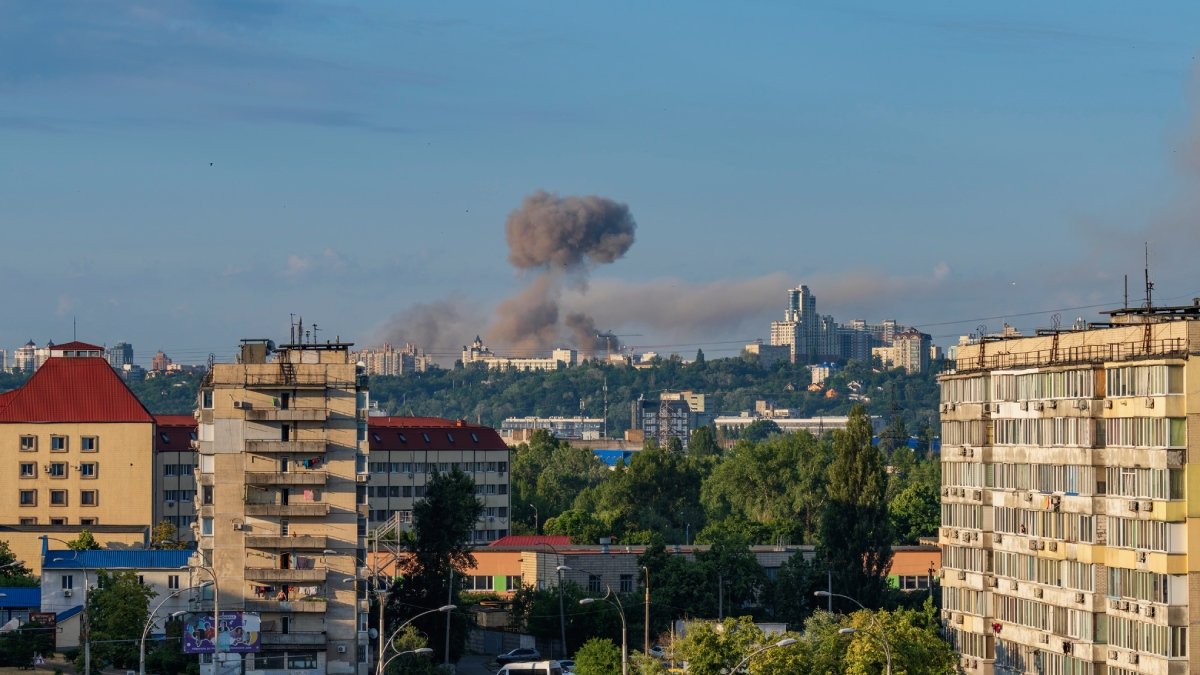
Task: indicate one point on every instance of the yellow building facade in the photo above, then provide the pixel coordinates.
(1071, 498)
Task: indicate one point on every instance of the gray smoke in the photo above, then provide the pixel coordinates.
(438, 327)
(560, 238)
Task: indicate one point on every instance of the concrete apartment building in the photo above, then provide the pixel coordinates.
(175, 440)
(80, 449)
(1071, 498)
(391, 361)
(478, 352)
(405, 451)
(282, 504)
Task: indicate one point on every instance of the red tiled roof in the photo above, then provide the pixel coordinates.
(387, 434)
(77, 389)
(175, 420)
(532, 540)
(174, 433)
(76, 346)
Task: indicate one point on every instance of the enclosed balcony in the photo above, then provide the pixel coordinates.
(292, 606)
(284, 575)
(316, 542)
(287, 414)
(292, 639)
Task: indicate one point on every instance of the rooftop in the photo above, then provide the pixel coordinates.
(129, 559)
(73, 389)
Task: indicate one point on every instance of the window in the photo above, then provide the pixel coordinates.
(29, 444)
(301, 661)
(68, 582)
(206, 494)
(28, 469)
(58, 521)
(206, 526)
(626, 583)
(206, 399)
(87, 521)
(29, 521)
(58, 470)
(593, 583)
(89, 470)
(266, 661)
(58, 498)
(28, 497)
(481, 583)
(58, 443)
(89, 444)
(88, 498)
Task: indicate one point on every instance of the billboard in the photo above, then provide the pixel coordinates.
(238, 634)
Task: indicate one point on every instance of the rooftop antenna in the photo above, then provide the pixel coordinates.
(1149, 285)
(74, 326)
(1126, 291)
(292, 327)
(314, 333)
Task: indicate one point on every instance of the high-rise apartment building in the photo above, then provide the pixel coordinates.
(1070, 512)
(911, 350)
(392, 361)
(120, 355)
(282, 504)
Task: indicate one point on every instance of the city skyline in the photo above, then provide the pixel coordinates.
(944, 166)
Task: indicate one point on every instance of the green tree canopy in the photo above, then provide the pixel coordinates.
(13, 572)
(117, 612)
(598, 656)
(84, 542)
(915, 513)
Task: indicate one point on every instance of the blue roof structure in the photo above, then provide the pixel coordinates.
(64, 615)
(132, 559)
(611, 457)
(19, 597)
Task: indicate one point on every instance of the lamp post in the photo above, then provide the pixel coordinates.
(887, 650)
(746, 661)
(615, 601)
(646, 636)
(424, 651)
(85, 623)
(216, 611)
(150, 622)
(383, 662)
(562, 615)
(535, 519)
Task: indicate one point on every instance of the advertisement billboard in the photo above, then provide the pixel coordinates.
(238, 634)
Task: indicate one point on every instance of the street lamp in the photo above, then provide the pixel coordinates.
(646, 637)
(615, 601)
(535, 519)
(382, 662)
(562, 615)
(746, 661)
(85, 623)
(216, 609)
(887, 650)
(150, 622)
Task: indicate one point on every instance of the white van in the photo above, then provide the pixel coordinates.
(532, 668)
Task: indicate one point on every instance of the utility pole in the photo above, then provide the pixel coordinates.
(646, 636)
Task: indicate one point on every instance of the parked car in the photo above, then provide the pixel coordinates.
(532, 668)
(519, 655)
(658, 652)
(568, 666)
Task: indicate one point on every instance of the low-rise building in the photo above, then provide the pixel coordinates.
(516, 430)
(478, 352)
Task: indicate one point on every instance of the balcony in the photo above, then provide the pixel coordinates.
(316, 542)
(286, 477)
(291, 447)
(284, 606)
(287, 414)
(288, 575)
(301, 510)
(293, 639)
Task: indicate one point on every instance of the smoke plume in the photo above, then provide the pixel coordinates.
(560, 239)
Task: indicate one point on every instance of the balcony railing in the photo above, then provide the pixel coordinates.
(301, 510)
(299, 447)
(304, 541)
(273, 574)
(294, 639)
(286, 477)
(293, 606)
(287, 414)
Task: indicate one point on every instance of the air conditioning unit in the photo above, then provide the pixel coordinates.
(341, 649)
(950, 406)
(1024, 405)
(237, 526)
(997, 538)
(1124, 606)
(1131, 506)
(979, 495)
(1112, 655)
(962, 575)
(1053, 546)
(970, 452)
(1052, 404)
(241, 405)
(1133, 658)
(1044, 639)
(993, 582)
(362, 477)
(962, 452)
(67, 592)
(1014, 585)
(1108, 403)
(1055, 500)
(1149, 612)
(1037, 592)
(1081, 404)
(1149, 402)
(1041, 546)
(170, 503)
(1038, 405)
(958, 618)
(1134, 608)
(945, 492)
(1141, 556)
(1114, 604)
(1079, 597)
(996, 407)
(1028, 496)
(1032, 545)
(1147, 506)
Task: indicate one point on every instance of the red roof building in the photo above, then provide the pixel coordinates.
(73, 389)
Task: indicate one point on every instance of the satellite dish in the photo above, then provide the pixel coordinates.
(374, 633)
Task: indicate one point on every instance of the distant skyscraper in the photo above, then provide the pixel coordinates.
(160, 362)
(25, 357)
(119, 354)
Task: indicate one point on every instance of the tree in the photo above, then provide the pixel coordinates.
(733, 570)
(699, 356)
(915, 512)
(913, 637)
(656, 493)
(410, 640)
(703, 443)
(794, 600)
(84, 542)
(117, 612)
(712, 648)
(581, 526)
(760, 430)
(165, 536)
(855, 533)
(14, 572)
(536, 611)
(17, 648)
(598, 656)
(166, 656)
(439, 544)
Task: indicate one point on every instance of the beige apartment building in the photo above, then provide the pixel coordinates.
(282, 504)
(80, 449)
(1071, 498)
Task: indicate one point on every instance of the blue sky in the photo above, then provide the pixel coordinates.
(181, 175)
